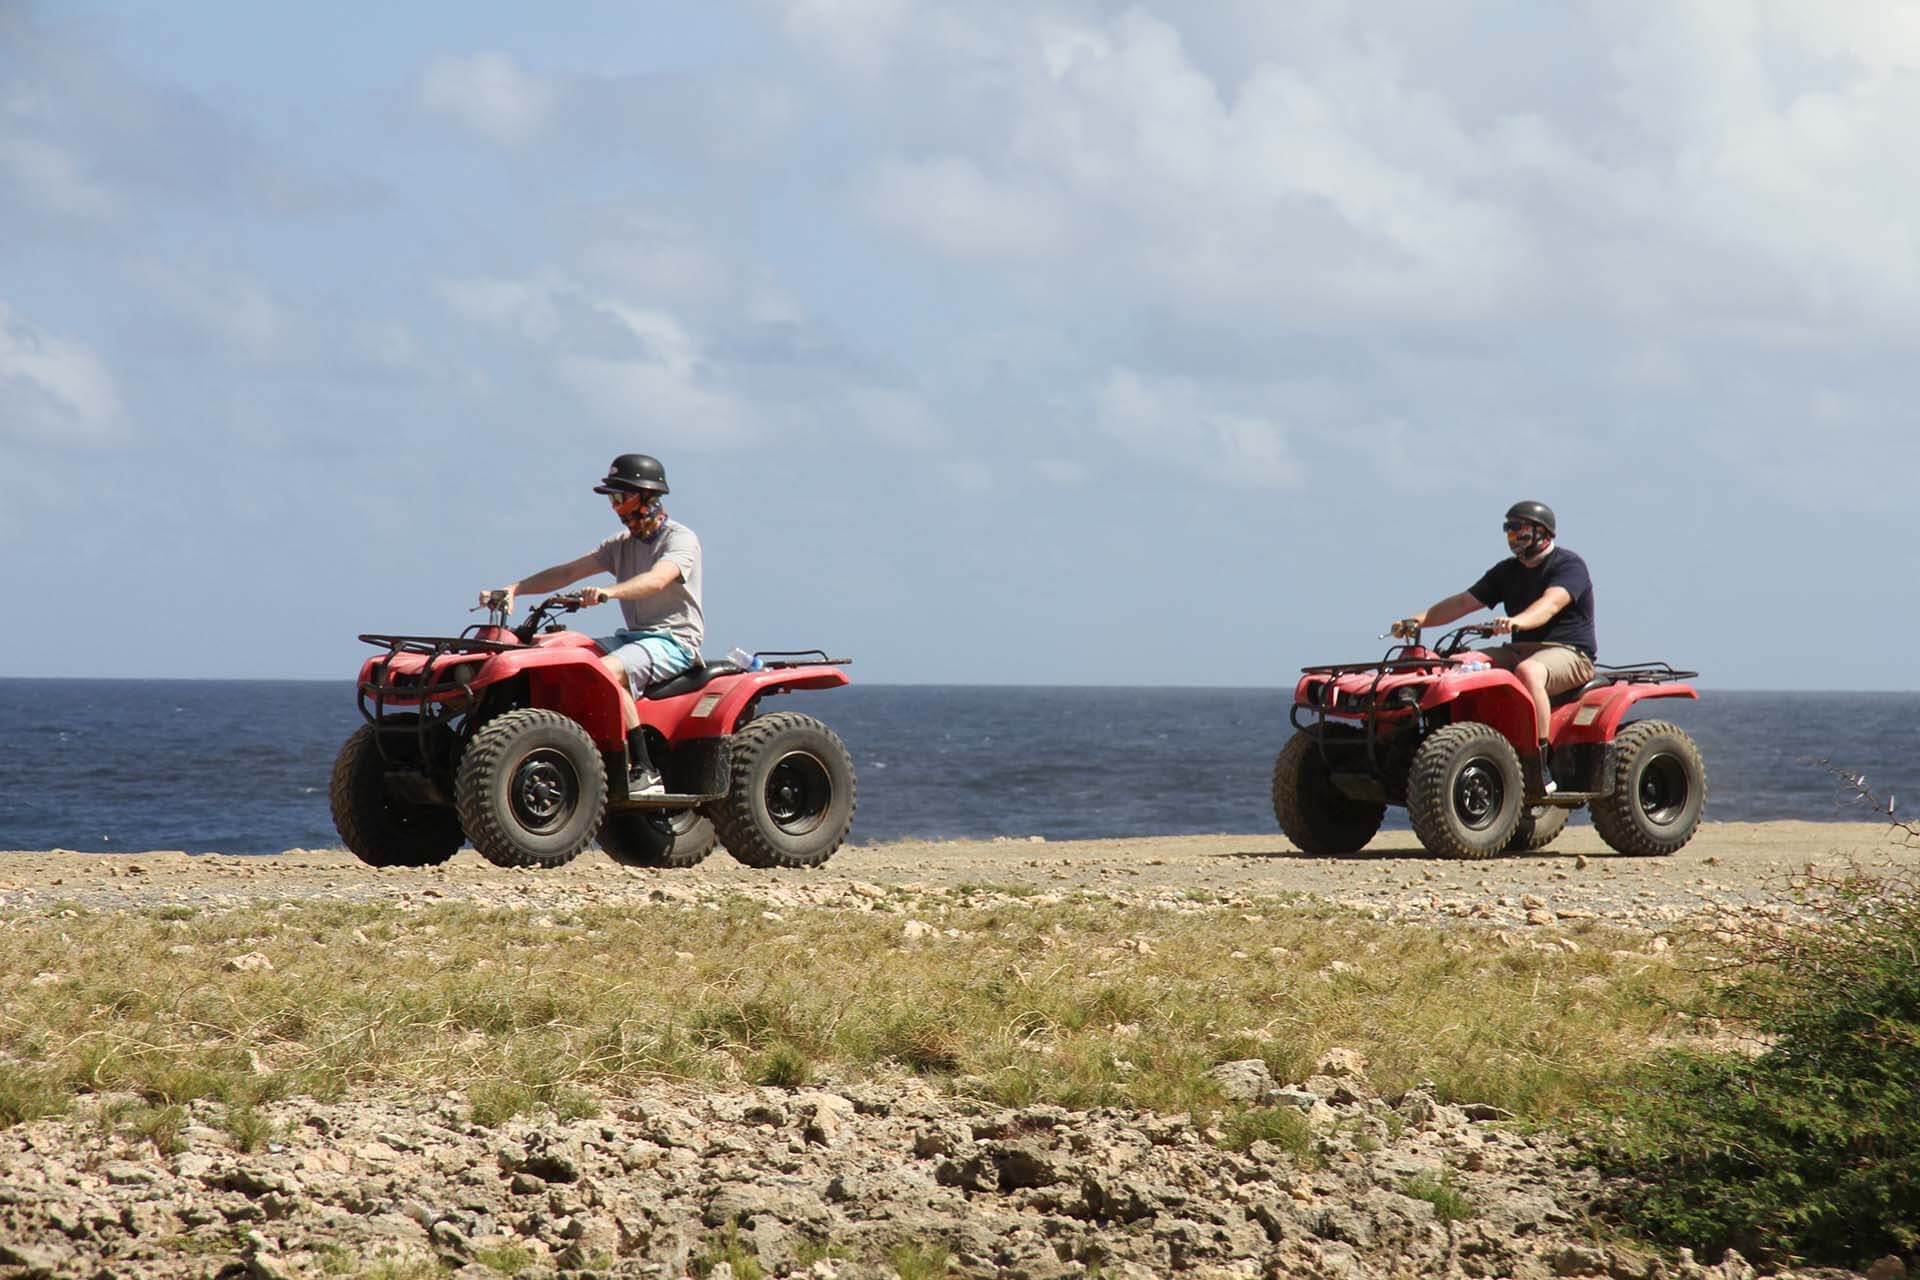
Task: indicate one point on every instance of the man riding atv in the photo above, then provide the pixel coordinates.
(655, 563)
(1548, 597)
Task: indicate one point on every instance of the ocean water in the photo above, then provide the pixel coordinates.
(242, 766)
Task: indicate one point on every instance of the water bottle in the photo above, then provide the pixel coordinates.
(742, 659)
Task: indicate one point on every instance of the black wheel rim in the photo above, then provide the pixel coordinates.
(1478, 793)
(674, 822)
(544, 791)
(1663, 789)
(799, 791)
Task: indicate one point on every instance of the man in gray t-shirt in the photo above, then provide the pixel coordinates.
(655, 564)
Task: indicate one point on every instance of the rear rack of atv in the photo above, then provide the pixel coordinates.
(1642, 673)
(779, 659)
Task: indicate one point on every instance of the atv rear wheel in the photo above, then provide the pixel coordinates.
(1659, 789)
(1539, 826)
(790, 797)
(1465, 795)
(380, 828)
(532, 789)
(1312, 812)
(658, 838)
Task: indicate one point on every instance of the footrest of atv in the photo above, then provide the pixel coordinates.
(666, 800)
(1565, 799)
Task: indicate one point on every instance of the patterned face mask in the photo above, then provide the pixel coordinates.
(643, 516)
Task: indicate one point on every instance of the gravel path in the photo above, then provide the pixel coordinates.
(1729, 866)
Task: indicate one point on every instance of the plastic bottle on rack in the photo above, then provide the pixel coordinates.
(742, 659)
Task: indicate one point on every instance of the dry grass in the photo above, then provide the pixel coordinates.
(1082, 1002)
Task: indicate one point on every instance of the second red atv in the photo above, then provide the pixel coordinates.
(1444, 734)
(511, 738)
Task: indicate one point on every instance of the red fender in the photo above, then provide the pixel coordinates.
(717, 707)
(1597, 715)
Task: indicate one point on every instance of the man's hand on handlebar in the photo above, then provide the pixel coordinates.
(1500, 627)
(1404, 627)
(590, 596)
(499, 599)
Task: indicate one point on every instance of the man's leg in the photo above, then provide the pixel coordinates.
(631, 667)
(1533, 674)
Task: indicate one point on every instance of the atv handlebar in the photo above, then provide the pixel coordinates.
(567, 602)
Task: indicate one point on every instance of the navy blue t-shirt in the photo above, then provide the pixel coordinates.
(1513, 586)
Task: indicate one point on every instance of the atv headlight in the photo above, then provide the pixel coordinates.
(1407, 695)
(462, 672)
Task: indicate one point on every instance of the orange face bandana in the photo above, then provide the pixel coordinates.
(643, 516)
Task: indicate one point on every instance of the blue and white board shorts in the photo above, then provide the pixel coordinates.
(648, 656)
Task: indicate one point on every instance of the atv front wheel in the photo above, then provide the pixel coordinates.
(1659, 789)
(382, 829)
(790, 799)
(531, 790)
(1464, 792)
(655, 838)
(1312, 812)
(1539, 826)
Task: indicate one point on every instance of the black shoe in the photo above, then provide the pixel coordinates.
(1547, 784)
(645, 782)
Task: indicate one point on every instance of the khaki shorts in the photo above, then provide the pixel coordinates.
(1567, 667)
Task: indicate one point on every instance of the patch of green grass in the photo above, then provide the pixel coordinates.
(1284, 1126)
(814, 1250)
(1450, 1203)
(1081, 1001)
(727, 1246)
(921, 1261)
(247, 1129)
(27, 1093)
(784, 1067)
(507, 1259)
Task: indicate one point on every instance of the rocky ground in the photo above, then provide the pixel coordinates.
(875, 1179)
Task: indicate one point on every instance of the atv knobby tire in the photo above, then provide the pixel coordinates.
(1465, 795)
(1659, 789)
(380, 829)
(675, 838)
(790, 795)
(1539, 827)
(531, 790)
(1312, 812)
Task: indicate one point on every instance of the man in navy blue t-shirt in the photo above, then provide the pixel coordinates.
(1548, 598)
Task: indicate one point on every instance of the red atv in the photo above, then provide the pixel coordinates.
(511, 738)
(1443, 733)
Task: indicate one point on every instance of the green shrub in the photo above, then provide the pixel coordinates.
(1808, 1148)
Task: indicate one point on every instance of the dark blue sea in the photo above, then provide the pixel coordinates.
(242, 766)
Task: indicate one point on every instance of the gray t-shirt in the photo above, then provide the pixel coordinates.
(675, 610)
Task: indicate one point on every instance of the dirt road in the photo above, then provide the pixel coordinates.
(1727, 865)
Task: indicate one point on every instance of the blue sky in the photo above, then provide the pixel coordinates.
(1010, 343)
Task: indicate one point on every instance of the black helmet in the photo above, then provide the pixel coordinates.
(1538, 512)
(634, 473)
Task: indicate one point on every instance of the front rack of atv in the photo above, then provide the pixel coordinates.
(422, 687)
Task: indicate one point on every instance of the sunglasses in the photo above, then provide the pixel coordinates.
(1516, 526)
(632, 501)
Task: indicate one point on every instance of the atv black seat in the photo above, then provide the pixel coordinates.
(1601, 679)
(689, 681)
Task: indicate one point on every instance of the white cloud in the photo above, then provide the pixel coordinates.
(655, 399)
(856, 33)
(525, 307)
(1062, 471)
(1187, 425)
(897, 418)
(56, 180)
(666, 389)
(236, 310)
(489, 94)
(52, 387)
(949, 204)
